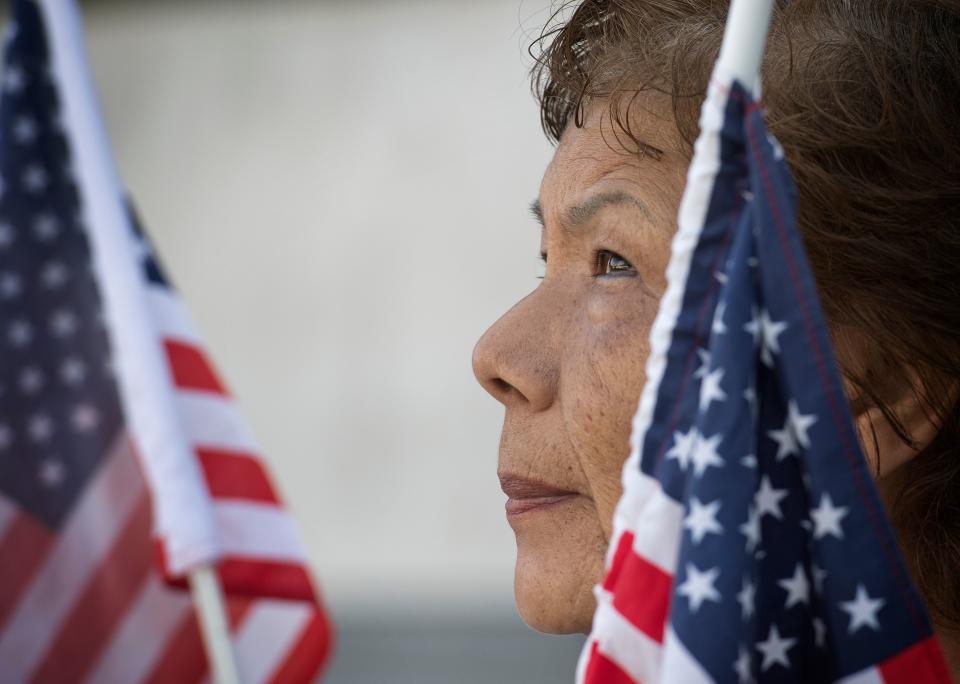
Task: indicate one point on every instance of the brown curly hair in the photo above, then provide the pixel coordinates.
(864, 96)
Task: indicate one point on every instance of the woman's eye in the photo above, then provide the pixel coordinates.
(611, 263)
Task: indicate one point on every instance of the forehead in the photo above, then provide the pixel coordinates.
(598, 154)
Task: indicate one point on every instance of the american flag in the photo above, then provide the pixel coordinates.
(750, 544)
(104, 506)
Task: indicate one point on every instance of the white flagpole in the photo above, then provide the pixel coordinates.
(744, 39)
(212, 614)
(110, 233)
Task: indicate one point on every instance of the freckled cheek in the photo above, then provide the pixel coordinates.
(609, 378)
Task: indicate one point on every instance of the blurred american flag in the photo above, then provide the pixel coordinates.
(95, 520)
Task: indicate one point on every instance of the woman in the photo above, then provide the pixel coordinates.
(864, 96)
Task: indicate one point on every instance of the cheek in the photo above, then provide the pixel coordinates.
(603, 387)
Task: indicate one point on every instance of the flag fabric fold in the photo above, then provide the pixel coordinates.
(749, 544)
(124, 462)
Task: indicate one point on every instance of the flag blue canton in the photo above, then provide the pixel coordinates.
(59, 406)
(788, 570)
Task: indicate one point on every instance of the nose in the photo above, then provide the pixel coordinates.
(516, 360)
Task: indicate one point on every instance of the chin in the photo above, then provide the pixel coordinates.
(558, 564)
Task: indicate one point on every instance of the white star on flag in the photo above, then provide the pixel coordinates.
(797, 587)
(698, 587)
(786, 441)
(682, 449)
(800, 424)
(795, 432)
(863, 610)
(742, 666)
(719, 327)
(35, 179)
(751, 528)
(774, 650)
(25, 130)
(20, 333)
(704, 367)
(52, 472)
(826, 518)
(72, 371)
(768, 499)
(40, 428)
(84, 418)
(45, 228)
(705, 453)
(54, 275)
(710, 389)
(702, 519)
(769, 331)
(746, 597)
(10, 286)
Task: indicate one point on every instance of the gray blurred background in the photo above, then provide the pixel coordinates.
(339, 190)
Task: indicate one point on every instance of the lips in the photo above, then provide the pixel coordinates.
(526, 494)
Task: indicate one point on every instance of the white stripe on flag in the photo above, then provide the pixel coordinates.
(8, 513)
(143, 634)
(679, 665)
(655, 519)
(869, 676)
(171, 316)
(90, 531)
(212, 421)
(267, 635)
(637, 654)
(256, 530)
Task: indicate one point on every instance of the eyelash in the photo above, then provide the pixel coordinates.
(604, 257)
(601, 263)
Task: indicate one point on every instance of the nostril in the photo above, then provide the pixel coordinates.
(501, 386)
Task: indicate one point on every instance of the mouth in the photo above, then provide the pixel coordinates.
(526, 495)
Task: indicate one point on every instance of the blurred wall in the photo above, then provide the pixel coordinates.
(340, 192)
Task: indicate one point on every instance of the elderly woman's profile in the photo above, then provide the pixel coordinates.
(864, 96)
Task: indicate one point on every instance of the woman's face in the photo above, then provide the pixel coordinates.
(568, 360)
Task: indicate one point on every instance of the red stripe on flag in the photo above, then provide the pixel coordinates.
(90, 625)
(190, 368)
(641, 594)
(602, 670)
(251, 577)
(28, 542)
(231, 475)
(302, 663)
(922, 663)
(255, 577)
(624, 547)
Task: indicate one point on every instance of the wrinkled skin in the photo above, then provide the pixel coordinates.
(567, 361)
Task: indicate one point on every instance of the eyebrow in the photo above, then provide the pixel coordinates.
(537, 210)
(582, 212)
(585, 210)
